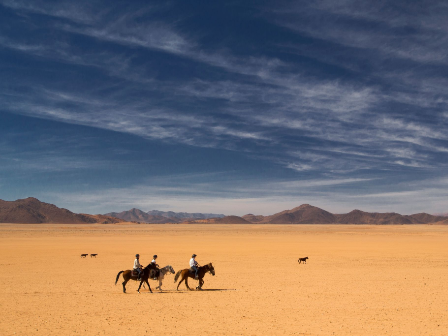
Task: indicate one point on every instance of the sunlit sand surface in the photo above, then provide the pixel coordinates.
(359, 280)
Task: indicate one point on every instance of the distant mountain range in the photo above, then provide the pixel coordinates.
(33, 211)
(308, 214)
(160, 217)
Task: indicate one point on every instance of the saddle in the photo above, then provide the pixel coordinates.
(134, 272)
(154, 273)
(191, 272)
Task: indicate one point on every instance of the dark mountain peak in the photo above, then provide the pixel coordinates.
(302, 207)
(135, 210)
(303, 214)
(357, 211)
(32, 211)
(30, 199)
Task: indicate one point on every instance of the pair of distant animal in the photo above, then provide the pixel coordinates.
(91, 255)
(302, 259)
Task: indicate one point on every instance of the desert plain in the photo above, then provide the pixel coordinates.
(359, 280)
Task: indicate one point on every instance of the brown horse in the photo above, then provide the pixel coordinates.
(128, 275)
(188, 273)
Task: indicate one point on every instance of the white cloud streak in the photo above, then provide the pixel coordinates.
(269, 99)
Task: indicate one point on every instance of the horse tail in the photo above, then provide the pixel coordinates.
(177, 276)
(118, 275)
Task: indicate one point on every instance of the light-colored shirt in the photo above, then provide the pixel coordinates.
(193, 262)
(153, 261)
(137, 264)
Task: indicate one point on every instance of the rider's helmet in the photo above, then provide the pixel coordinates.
(137, 255)
(154, 256)
(194, 255)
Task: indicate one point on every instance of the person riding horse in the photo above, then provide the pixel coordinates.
(137, 266)
(194, 266)
(156, 266)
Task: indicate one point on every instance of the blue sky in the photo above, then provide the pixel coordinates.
(229, 107)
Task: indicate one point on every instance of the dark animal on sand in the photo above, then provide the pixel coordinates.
(302, 259)
(84, 255)
(130, 275)
(93, 255)
(188, 273)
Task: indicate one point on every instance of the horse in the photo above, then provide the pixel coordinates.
(188, 273)
(128, 275)
(163, 272)
(84, 255)
(93, 255)
(302, 259)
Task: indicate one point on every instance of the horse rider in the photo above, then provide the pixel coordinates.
(156, 266)
(137, 266)
(194, 266)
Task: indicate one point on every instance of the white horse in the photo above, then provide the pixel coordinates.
(163, 272)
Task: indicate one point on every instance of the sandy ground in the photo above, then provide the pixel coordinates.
(359, 280)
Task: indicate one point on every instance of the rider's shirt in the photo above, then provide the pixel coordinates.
(153, 261)
(137, 264)
(193, 262)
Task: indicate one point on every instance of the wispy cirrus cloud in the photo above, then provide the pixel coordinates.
(400, 30)
(335, 90)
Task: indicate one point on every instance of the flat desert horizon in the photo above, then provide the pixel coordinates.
(359, 280)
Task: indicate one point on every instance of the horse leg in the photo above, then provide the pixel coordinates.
(141, 282)
(201, 283)
(186, 283)
(148, 285)
(183, 278)
(124, 285)
(159, 287)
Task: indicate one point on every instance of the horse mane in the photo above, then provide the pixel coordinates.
(206, 265)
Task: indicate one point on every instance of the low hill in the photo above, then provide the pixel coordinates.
(32, 211)
(362, 217)
(442, 222)
(103, 219)
(134, 214)
(160, 217)
(253, 218)
(223, 220)
(184, 215)
(424, 218)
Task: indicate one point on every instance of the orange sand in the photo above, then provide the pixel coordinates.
(359, 280)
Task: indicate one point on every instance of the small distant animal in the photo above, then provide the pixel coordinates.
(84, 255)
(302, 259)
(93, 255)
